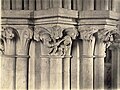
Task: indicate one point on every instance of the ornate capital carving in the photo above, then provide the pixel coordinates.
(87, 32)
(107, 34)
(8, 32)
(25, 36)
(55, 38)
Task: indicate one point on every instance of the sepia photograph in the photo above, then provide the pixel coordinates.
(60, 45)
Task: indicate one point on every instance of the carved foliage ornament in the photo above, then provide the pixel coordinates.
(7, 33)
(108, 34)
(57, 39)
(87, 32)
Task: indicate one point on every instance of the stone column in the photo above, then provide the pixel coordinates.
(8, 59)
(115, 47)
(103, 39)
(18, 4)
(87, 47)
(55, 72)
(75, 65)
(100, 48)
(88, 4)
(26, 4)
(22, 55)
(13, 4)
(45, 4)
(107, 4)
(31, 4)
(114, 5)
(38, 5)
(57, 3)
(67, 4)
(6, 4)
(56, 45)
(98, 4)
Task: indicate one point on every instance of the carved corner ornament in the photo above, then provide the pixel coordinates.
(57, 39)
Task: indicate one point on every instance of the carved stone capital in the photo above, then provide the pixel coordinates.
(7, 39)
(107, 34)
(87, 32)
(57, 39)
(8, 32)
(25, 36)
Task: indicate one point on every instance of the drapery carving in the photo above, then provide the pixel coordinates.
(57, 39)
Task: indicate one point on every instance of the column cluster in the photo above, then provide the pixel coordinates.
(56, 47)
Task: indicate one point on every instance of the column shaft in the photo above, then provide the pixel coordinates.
(6, 4)
(75, 66)
(51, 3)
(26, 4)
(66, 73)
(99, 65)
(8, 66)
(22, 73)
(32, 65)
(18, 4)
(31, 4)
(56, 73)
(118, 66)
(115, 67)
(74, 4)
(57, 3)
(38, 4)
(114, 5)
(45, 73)
(103, 5)
(86, 73)
(13, 4)
(88, 4)
(98, 4)
(106, 4)
(45, 4)
(67, 4)
(79, 4)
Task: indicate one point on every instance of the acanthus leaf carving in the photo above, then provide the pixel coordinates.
(7, 32)
(56, 39)
(8, 37)
(87, 32)
(107, 34)
(25, 36)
